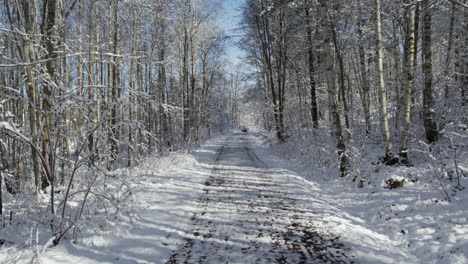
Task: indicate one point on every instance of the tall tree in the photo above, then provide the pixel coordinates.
(29, 55)
(50, 40)
(381, 86)
(332, 91)
(312, 68)
(270, 58)
(448, 55)
(365, 95)
(430, 125)
(92, 119)
(410, 13)
(115, 83)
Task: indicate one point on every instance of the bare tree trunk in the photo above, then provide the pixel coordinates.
(464, 60)
(332, 91)
(165, 141)
(416, 33)
(460, 60)
(3, 167)
(449, 52)
(80, 121)
(409, 84)
(382, 91)
(263, 31)
(30, 56)
(66, 82)
(341, 75)
(365, 96)
(430, 125)
(184, 78)
(91, 81)
(281, 70)
(135, 90)
(311, 61)
(192, 98)
(398, 78)
(50, 40)
(115, 84)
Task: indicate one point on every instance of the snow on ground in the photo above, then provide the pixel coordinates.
(416, 220)
(368, 245)
(162, 198)
(251, 213)
(374, 225)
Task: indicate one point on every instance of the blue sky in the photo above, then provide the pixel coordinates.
(229, 19)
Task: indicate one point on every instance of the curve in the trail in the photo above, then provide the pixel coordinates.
(247, 217)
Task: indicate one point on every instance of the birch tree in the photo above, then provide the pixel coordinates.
(365, 95)
(409, 84)
(381, 86)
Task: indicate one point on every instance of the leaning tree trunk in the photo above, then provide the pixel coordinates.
(382, 91)
(409, 85)
(428, 97)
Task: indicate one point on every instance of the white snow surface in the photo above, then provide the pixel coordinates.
(216, 204)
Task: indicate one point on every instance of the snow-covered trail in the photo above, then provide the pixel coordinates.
(249, 214)
(229, 201)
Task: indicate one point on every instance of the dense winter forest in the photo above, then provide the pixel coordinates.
(369, 93)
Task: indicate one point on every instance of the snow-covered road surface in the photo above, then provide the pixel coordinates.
(249, 214)
(230, 201)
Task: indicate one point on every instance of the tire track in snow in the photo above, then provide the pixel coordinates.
(247, 217)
